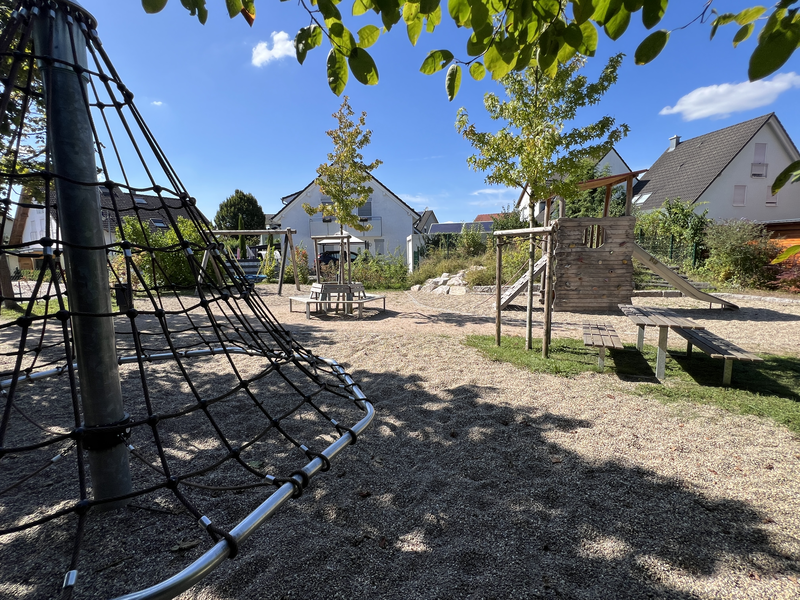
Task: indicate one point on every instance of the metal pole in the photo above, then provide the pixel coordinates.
(498, 281)
(71, 143)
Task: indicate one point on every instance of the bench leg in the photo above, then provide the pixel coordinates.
(727, 372)
(308, 311)
(290, 305)
(640, 339)
(661, 358)
(688, 349)
(601, 361)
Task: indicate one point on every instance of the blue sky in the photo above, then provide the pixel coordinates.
(232, 108)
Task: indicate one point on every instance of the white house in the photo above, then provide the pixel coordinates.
(611, 164)
(391, 220)
(728, 171)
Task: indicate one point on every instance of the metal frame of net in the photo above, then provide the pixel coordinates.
(209, 395)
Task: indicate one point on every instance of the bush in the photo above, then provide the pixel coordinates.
(385, 271)
(470, 242)
(301, 259)
(739, 253)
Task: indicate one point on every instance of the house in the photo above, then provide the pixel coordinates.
(391, 220)
(612, 163)
(427, 219)
(30, 220)
(729, 172)
(487, 217)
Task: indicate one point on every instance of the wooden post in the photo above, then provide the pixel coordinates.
(545, 243)
(629, 196)
(562, 208)
(498, 281)
(607, 202)
(548, 298)
(283, 264)
(289, 233)
(316, 261)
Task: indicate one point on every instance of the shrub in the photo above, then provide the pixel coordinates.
(301, 259)
(470, 242)
(739, 253)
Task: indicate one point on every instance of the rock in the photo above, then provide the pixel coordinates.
(456, 281)
(445, 275)
(476, 268)
(442, 290)
(416, 288)
(459, 290)
(429, 287)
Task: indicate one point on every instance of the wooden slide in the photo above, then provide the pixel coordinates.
(671, 277)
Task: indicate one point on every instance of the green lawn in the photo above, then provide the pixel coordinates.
(769, 389)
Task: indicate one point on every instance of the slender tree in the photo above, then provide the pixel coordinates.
(534, 150)
(244, 205)
(345, 176)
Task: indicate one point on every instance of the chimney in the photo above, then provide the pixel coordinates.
(673, 142)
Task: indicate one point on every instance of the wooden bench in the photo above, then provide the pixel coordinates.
(716, 347)
(322, 295)
(601, 336)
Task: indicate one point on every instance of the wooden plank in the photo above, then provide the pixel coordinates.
(715, 346)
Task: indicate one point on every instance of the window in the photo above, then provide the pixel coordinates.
(159, 223)
(758, 170)
(739, 195)
(640, 198)
(366, 210)
(139, 200)
(771, 200)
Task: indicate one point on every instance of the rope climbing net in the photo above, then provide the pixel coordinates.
(221, 415)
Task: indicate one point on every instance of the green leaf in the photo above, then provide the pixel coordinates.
(582, 10)
(426, 7)
(604, 10)
(301, 44)
(791, 172)
(234, 7)
(341, 38)
(337, 72)
(360, 7)
(742, 34)
(459, 10)
(436, 61)
(249, 11)
(315, 37)
(496, 63)
(632, 5)
(748, 15)
(153, 6)
(410, 12)
(479, 41)
(721, 20)
(589, 45)
(453, 81)
(652, 12)
(414, 28)
(363, 67)
(479, 16)
(788, 253)
(368, 35)
(773, 51)
(329, 10)
(651, 47)
(477, 71)
(618, 24)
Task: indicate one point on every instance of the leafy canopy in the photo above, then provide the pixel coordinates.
(533, 150)
(506, 35)
(240, 205)
(345, 176)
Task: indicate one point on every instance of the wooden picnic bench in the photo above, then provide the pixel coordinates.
(716, 347)
(601, 336)
(664, 319)
(323, 295)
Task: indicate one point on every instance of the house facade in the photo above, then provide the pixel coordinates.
(390, 219)
(728, 172)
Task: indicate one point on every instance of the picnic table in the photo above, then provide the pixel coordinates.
(323, 295)
(664, 319)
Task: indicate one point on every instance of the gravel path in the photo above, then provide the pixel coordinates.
(479, 480)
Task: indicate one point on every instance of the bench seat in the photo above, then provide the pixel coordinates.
(359, 302)
(597, 335)
(716, 347)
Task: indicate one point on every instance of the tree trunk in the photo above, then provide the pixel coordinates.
(7, 286)
(531, 261)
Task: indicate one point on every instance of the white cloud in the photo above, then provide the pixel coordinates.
(157, 103)
(281, 46)
(494, 197)
(727, 98)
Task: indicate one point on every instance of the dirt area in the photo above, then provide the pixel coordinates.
(479, 480)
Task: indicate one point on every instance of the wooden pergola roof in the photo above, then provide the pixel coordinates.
(610, 180)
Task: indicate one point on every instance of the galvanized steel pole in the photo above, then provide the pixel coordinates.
(71, 143)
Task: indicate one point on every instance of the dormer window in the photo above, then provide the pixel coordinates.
(159, 223)
(139, 200)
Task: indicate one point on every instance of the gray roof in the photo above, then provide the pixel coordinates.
(688, 170)
(486, 226)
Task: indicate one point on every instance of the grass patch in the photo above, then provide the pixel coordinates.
(39, 309)
(770, 389)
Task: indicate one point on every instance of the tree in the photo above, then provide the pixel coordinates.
(590, 203)
(502, 36)
(534, 150)
(244, 205)
(344, 177)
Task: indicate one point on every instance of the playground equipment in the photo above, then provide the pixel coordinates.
(164, 407)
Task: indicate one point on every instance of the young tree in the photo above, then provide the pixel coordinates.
(589, 203)
(345, 176)
(534, 150)
(243, 205)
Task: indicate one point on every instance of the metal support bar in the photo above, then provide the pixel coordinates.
(71, 140)
(601, 360)
(661, 358)
(727, 372)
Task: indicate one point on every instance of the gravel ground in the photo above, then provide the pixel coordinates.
(479, 480)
